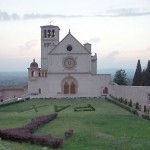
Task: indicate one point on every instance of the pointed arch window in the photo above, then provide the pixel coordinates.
(72, 88)
(66, 88)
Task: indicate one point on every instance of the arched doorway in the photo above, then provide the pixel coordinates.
(66, 88)
(39, 91)
(73, 88)
(69, 85)
(105, 90)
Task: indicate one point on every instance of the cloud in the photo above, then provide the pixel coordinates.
(37, 16)
(28, 45)
(112, 55)
(121, 12)
(95, 40)
(125, 12)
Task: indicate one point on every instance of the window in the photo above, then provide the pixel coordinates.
(72, 88)
(66, 88)
(32, 74)
(45, 33)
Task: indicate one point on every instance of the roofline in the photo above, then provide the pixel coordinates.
(64, 39)
(50, 26)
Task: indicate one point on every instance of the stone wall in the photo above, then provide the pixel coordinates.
(12, 92)
(135, 93)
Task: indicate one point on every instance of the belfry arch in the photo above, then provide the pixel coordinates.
(69, 85)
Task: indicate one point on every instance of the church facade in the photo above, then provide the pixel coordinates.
(68, 68)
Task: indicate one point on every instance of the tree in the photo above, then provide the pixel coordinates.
(147, 74)
(137, 79)
(143, 81)
(120, 77)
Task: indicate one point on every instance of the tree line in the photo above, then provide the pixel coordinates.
(141, 77)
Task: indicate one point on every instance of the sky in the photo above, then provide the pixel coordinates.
(119, 30)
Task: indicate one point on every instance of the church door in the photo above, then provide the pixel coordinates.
(66, 88)
(72, 88)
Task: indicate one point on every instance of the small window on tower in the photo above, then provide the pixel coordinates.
(49, 33)
(45, 33)
(53, 33)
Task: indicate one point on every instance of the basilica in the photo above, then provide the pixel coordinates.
(68, 68)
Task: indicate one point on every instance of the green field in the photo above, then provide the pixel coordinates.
(108, 128)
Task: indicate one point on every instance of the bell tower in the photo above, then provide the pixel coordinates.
(49, 39)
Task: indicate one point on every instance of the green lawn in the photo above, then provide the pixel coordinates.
(108, 128)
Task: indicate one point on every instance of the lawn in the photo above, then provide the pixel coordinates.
(109, 127)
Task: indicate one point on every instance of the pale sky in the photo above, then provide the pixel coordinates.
(119, 30)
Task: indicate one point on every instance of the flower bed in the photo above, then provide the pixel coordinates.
(24, 134)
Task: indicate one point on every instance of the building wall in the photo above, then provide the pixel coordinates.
(83, 63)
(87, 85)
(9, 93)
(135, 93)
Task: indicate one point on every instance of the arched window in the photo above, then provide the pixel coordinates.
(105, 90)
(73, 88)
(69, 85)
(39, 91)
(32, 74)
(66, 88)
(45, 33)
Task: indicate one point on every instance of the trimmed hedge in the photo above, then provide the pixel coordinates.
(60, 108)
(24, 134)
(85, 108)
(126, 107)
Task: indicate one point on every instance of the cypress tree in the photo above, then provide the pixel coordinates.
(143, 82)
(138, 75)
(148, 74)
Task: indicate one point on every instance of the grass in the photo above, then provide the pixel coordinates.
(108, 128)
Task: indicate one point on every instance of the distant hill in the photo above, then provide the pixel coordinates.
(18, 78)
(13, 78)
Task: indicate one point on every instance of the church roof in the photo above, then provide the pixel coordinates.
(69, 34)
(33, 64)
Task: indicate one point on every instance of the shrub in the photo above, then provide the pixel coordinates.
(68, 133)
(85, 108)
(60, 108)
(144, 108)
(132, 110)
(137, 105)
(24, 134)
(125, 101)
(130, 103)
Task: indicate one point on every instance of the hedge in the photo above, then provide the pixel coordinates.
(25, 133)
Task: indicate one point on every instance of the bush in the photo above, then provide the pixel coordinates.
(68, 133)
(147, 117)
(145, 109)
(137, 106)
(85, 108)
(125, 101)
(132, 110)
(24, 134)
(60, 108)
(130, 103)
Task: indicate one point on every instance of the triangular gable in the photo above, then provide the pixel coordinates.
(69, 39)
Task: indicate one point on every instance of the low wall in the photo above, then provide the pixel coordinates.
(135, 93)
